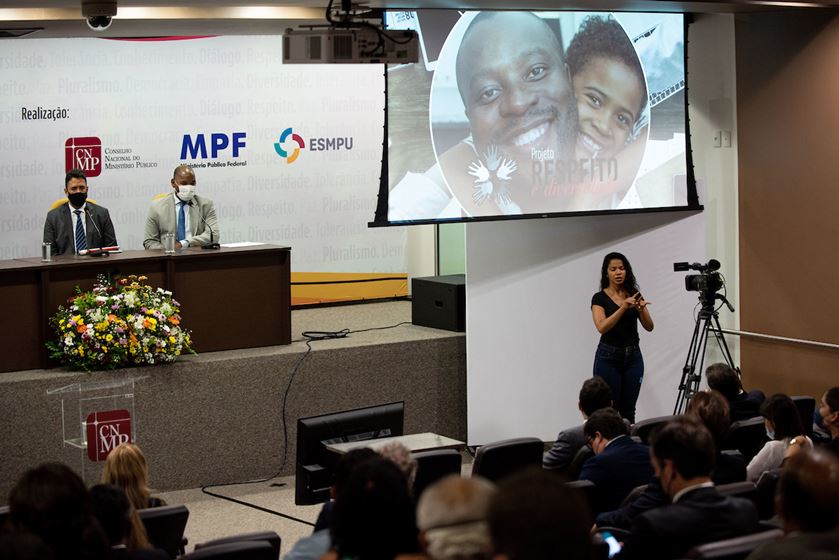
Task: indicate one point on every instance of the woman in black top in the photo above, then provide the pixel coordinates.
(616, 310)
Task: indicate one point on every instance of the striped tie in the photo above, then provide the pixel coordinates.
(81, 240)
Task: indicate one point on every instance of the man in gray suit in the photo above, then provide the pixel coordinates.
(594, 395)
(190, 217)
(79, 225)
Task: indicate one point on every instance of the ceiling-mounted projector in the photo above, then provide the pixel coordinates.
(366, 44)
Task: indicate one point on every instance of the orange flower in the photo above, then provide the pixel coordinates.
(81, 328)
(174, 320)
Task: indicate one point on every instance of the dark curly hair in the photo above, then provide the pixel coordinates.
(629, 281)
(603, 37)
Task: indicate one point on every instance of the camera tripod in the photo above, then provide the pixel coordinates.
(707, 322)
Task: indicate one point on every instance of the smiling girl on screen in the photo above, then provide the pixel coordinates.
(611, 94)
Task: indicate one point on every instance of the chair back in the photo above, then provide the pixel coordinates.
(737, 548)
(743, 489)
(644, 428)
(746, 436)
(270, 537)
(765, 490)
(165, 527)
(246, 550)
(633, 494)
(575, 468)
(4, 517)
(434, 465)
(497, 460)
(588, 489)
(806, 407)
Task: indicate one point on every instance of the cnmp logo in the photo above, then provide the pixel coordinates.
(282, 152)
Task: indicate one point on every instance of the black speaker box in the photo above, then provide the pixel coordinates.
(439, 302)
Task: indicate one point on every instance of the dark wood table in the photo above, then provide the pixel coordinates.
(230, 298)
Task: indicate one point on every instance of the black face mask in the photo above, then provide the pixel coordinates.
(77, 199)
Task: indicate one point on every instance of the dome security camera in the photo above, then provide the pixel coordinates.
(99, 23)
(99, 13)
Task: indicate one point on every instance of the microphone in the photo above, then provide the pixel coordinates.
(94, 252)
(211, 244)
(90, 215)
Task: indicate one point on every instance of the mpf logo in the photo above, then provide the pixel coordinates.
(219, 141)
(85, 154)
(105, 431)
(278, 147)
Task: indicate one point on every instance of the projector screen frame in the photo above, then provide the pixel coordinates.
(693, 205)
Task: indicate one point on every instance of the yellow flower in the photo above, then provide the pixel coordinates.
(172, 339)
(109, 337)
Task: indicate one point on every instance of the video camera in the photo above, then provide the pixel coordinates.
(708, 282)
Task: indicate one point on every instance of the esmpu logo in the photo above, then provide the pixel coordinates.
(278, 146)
(85, 154)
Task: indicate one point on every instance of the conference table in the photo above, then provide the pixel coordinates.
(233, 297)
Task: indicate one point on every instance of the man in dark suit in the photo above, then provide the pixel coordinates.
(594, 395)
(725, 379)
(619, 463)
(808, 503)
(683, 456)
(78, 225)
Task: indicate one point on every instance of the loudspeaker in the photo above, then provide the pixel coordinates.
(439, 302)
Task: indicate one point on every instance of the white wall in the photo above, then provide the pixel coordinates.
(530, 338)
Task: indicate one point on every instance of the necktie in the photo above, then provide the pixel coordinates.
(81, 240)
(181, 221)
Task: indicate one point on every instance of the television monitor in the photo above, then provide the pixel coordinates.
(315, 463)
(534, 114)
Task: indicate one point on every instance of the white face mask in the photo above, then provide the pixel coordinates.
(186, 192)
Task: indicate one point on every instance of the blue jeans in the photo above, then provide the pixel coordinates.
(623, 371)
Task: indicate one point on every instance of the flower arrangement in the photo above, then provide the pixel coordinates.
(125, 323)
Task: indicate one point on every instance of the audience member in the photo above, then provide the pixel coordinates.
(808, 503)
(127, 468)
(785, 432)
(829, 412)
(619, 463)
(401, 456)
(711, 408)
(725, 379)
(535, 516)
(594, 395)
(452, 518)
(23, 546)
(683, 457)
(52, 503)
(374, 517)
(319, 542)
(121, 524)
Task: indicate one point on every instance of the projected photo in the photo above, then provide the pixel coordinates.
(538, 113)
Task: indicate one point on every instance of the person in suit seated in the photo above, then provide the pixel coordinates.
(785, 432)
(594, 395)
(683, 458)
(828, 410)
(619, 463)
(808, 504)
(725, 379)
(190, 217)
(78, 225)
(122, 525)
(711, 408)
(534, 515)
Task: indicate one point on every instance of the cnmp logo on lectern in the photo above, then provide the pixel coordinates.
(278, 146)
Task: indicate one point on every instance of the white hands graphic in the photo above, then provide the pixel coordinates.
(502, 168)
(506, 169)
(493, 157)
(479, 172)
(482, 192)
